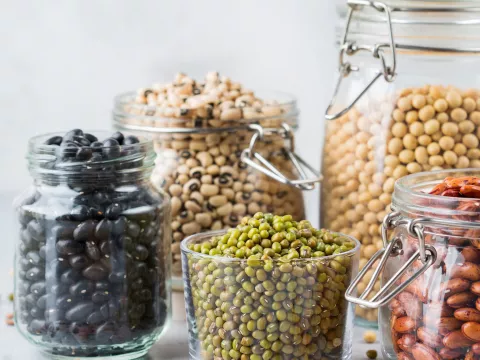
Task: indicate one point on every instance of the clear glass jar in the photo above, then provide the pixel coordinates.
(391, 116)
(218, 171)
(431, 309)
(92, 274)
(238, 320)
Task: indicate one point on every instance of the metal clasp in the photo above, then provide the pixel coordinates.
(351, 48)
(425, 253)
(249, 156)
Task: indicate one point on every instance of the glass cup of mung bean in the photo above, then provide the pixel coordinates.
(271, 288)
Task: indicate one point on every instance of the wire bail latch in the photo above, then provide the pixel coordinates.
(425, 253)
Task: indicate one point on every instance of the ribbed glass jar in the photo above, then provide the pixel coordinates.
(92, 273)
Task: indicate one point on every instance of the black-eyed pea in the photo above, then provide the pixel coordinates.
(205, 158)
(470, 141)
(176, 225)
(185, 216)
(197, 172)
(217, 200)
(197, 145)
(257, 197)
(228, 192)
(175, 189)
(179, 144)
(266, 199)
(176, 205)
(239, 209)
(212, 139)
(253, 208)
(230, 113)
(462, 163)
(207, 179)
(191, 185)
(225, 209)
(177, 236)
(213, 170)
(182, 179)
(193, 206)
(209, 190)
(214, 151)
(204, 219)
(191, 228)
(220, 160)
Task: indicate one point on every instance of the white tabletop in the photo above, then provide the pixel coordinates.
(172, 345)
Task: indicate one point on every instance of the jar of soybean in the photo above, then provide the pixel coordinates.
(407, 100)
(223, 152)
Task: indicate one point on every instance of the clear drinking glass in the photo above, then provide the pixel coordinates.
(92, 264)
(239, 308)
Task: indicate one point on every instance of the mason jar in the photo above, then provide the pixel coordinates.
(92, 263)
(429, 269)
(218, 170)
(406, 100)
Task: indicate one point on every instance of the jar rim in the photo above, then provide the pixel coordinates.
(121, 116)
(409, 199)
(209, 234)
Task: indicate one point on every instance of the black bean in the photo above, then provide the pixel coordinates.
(24, 264)
(133, 229)
(67, 150)
(80, 311)
(92, 251)
(38, 288)
(113, 211)
(117, 277)
(69, 247)
(95, 318)
(78, 262)
(54, 314)
(80, 140)
(82, 287)
(106, 247)
(75, 132)
(31, 299)
(90, 137)
(136, 311)
(36, 230)
(105, 332)
(130, 140)
(36, 313)
(102, 231)
(43, 252)
(63, 230)
(96, 146)
(35, 274)
(42, 302)
(100, 297)
(83, 154)
(140, 253)
(95, 272)
(118, 136)
(54, 140)
(96, 213)
(79, 213)
(58, 289)
(85, 230)
(111, 148)
(36, 326)
(70, 276)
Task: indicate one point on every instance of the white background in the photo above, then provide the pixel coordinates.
(61, 62)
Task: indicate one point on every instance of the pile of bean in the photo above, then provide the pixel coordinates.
(91, 265)
(438, 316)
(264, 292)
(211, 188)
(366, 150)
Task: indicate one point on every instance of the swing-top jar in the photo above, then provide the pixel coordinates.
(430, 268)
(223, 152)
(92, 267)
(407, 100)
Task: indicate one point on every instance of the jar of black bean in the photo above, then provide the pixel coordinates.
(93, 256)
(269, 289)
(224, 152)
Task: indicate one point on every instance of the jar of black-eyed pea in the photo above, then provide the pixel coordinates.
(93, 259)
(408, 100)
(223, 152)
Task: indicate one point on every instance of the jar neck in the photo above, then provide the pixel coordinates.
(51, 165)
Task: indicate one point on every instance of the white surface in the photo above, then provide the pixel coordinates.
(63, 61)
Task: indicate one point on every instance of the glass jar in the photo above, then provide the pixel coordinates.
(430, 272)
(92, 273)
(407, 101)
(218, 171)
(304, 316)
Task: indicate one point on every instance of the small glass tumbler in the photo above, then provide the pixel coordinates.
(268, 309)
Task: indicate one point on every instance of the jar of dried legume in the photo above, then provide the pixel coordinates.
(271, 288)
(223, 152)
(92, 264)
(430, 297)
(413, 105)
